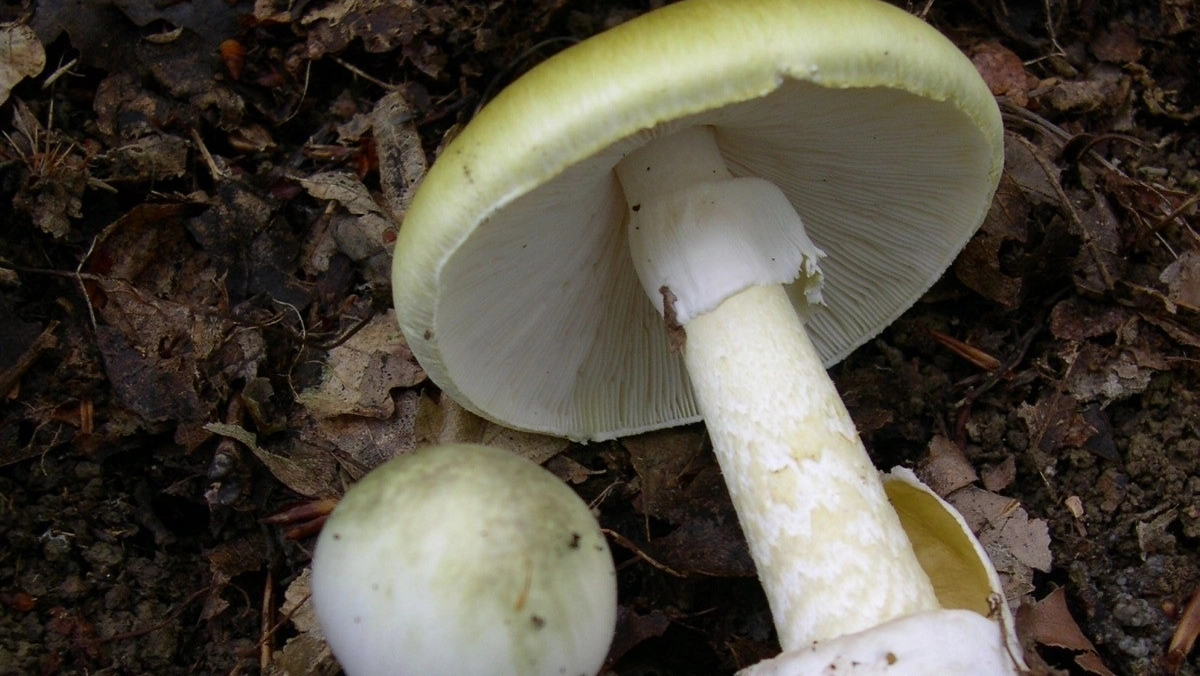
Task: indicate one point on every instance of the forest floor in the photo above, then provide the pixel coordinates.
(195, 302)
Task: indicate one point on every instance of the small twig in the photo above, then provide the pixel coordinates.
(344, 336)
(1185, 634)
(1005, 367)
(1088, 241)
(87, 300)
(268, 620)
(1176, 213)
(637, 551)
(216, 171)
(980, 359)
(45, 341)
(59, 72)
(364, 75)
(303, 93)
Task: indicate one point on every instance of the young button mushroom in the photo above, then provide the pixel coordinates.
(464, 560)
(690, 216)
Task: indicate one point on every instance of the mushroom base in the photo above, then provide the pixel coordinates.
(939, 642)
(830, 551)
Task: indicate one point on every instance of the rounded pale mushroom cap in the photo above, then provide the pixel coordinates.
(464, 560)
(512, 275)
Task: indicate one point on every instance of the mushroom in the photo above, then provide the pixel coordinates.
(464, 560)
(691, 216)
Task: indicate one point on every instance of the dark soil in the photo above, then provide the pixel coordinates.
(180, 264)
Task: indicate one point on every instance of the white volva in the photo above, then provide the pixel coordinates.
(831, 554)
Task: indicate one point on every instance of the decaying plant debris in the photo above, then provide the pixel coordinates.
(194, 290)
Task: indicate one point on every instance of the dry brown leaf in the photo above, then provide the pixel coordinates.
(156, 353)
(343, 188)
(1024, 184)
(365, 234)
(444, 421)
(1001, 523)
(1078, 319)
(307, 653)
(569, 470)
(1100, 259)
(634, 627)
(1182, 278)
(1003, 71)
(21, 56)
(360, 374)
(681, 485)
(1106, 374)
(1048, 622)
(1031, 169)
(1104, 86)
(1016, 544)
(661, 459)
(1048, 422)
(306, 469)
(945, 468)
(998, 477)
(355, 444)
(382, 25)
(1117, 43)
(402, 162)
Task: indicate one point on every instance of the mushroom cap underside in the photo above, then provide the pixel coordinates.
(512, 277)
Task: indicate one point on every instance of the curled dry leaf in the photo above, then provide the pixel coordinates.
(365, 234)
(402, 162)
(307, 469)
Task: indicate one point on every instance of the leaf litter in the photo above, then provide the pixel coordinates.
(196, 279)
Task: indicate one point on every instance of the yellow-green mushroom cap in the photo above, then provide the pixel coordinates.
(512, 276)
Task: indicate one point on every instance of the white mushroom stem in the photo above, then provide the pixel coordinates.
(709, 248)
(830, 551)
